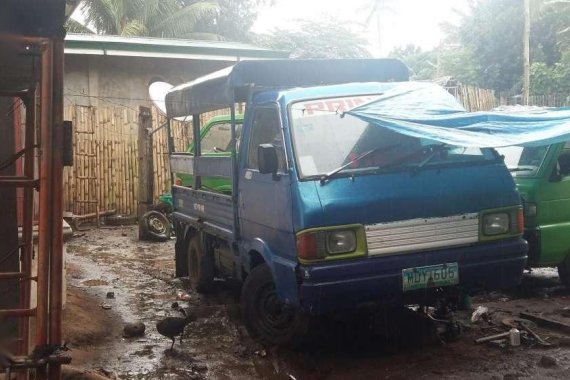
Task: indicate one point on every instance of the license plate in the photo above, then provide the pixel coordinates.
(432, 276)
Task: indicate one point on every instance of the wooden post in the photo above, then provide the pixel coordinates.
(146, 177)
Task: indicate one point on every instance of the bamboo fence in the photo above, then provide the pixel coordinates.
(474, 98)
(105, 171)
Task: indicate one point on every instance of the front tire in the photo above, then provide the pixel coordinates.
(200, 266)
(268, 320)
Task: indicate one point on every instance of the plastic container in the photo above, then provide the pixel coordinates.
(515, 337)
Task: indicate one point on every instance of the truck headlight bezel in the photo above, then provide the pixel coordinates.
(331, 243)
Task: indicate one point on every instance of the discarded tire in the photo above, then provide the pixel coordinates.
(120, 220)
(268, 320)
(155, 225)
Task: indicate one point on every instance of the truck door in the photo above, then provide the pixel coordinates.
(264, 201)
(554, 211)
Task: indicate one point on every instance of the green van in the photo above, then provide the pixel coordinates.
(542, 176)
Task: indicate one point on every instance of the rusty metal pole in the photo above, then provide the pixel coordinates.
(28, 217)
(56, 258)
(45, 202)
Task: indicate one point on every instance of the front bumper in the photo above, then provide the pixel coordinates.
(348, 284)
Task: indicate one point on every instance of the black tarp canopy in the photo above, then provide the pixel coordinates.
(233, 84)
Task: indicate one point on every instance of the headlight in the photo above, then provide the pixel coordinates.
(529, 209)
(496, 224)
(331, 243)
(341, 242)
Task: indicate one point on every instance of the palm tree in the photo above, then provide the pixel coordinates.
(376, 10)
(153, 18)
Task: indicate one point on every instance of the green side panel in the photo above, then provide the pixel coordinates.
(222, 185)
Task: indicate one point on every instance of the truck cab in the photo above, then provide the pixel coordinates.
(542, 175)
(329, 212)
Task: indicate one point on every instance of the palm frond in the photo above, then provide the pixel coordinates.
(183, 22)
(74, 26)
(134, 28)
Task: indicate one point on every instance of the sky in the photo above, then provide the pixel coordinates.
(409, 21)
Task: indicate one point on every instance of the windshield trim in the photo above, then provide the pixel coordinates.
(403, 168)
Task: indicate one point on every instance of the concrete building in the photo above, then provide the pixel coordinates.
(114, 70)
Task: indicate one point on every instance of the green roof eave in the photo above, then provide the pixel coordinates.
(166, 48)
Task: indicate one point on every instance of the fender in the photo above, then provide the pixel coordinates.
(284, 270)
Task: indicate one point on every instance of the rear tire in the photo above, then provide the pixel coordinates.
(200, 266)
(564, 271)
(268, 320)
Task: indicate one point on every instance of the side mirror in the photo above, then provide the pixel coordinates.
(267, 159)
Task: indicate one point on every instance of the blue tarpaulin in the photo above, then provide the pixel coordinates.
(426, 110)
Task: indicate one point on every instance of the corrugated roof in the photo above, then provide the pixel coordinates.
(166, 48)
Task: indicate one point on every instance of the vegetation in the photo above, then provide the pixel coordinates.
(198, 19)
(486, 47)
(311, 39)
(234, 19)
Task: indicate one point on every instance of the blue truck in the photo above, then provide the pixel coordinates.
(328, 212)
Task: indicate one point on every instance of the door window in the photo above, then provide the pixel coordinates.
(266, 129)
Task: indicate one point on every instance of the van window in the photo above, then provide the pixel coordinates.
(524, 162)
(219, 137)
(266, 129)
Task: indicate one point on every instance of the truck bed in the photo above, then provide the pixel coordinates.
(211, 211)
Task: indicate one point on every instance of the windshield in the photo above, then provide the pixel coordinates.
(523, 162)
(325, 140)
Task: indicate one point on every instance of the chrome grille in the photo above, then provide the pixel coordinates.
(421, 234)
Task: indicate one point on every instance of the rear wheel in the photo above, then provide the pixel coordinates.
(200, 266)
(564, 271)
(268, 320)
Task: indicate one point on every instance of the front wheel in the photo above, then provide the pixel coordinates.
(564, 271)
(200, 266)
(267, 319)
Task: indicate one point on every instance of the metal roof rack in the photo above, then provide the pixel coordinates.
(234, 84)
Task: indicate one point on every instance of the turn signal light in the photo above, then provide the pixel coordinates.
(520, 221)
(307, 246)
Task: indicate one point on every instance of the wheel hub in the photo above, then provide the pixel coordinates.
(157, 225)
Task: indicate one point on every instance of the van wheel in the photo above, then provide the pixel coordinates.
(564, 271)
(200, 266)
(267, 319)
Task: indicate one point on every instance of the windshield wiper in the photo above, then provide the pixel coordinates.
(435, 150)
(517, 169)
(328, 175)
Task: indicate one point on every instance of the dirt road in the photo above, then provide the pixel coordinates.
(216, 346)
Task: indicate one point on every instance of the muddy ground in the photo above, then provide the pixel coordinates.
(216, 346)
